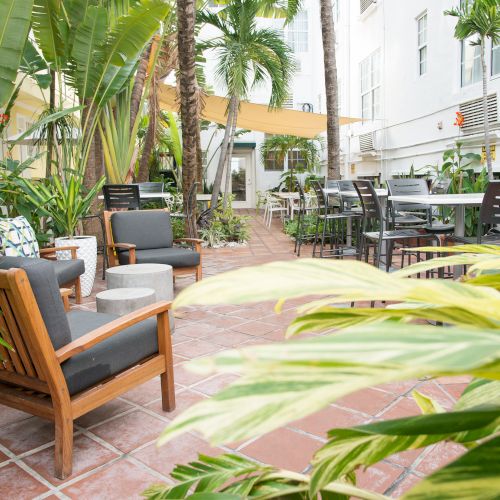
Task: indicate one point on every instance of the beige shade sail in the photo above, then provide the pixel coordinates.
(257, 117)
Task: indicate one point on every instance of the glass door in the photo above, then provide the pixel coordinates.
(241, 181)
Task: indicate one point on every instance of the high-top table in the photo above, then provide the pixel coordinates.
(456, 201)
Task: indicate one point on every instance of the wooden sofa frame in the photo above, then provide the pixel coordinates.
(178, 271)
(50, 254)
(31, 378)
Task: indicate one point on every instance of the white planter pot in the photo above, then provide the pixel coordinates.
(87, 251)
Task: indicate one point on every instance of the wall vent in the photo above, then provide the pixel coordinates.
(364, 4)
(288, 102)
(473, 113)
(366, 142)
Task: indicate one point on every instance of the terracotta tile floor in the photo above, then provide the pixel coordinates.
(115, 454)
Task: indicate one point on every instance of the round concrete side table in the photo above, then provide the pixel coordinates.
(159, 277)
(124, 300)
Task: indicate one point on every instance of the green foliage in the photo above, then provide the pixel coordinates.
(226, 226)
(62, 198)
(13, 198)
(457, 175)
(178, 227)
(477, 18)
(308, 223)
(15, 17)
(248, 56)
(280, 383)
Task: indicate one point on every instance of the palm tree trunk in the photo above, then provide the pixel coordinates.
(332, 98)
(186, 17)
(230, 156)
(199, 162)
(138, 88)
(223, 153)
(485, 113)
(94, 169)
(149, 140)
(50, 126)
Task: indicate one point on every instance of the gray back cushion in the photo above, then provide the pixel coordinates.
(44, 284)
(143, 228)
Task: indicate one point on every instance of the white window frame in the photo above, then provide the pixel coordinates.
(298, 33)
(294, 157)
(476, 60)
(422, 43)
(495, 49)
(371, 91)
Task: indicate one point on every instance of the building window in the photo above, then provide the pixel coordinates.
(336, 10)
(296, 160)
(297, 33)
(370, 87)
(471, 63)
(422, 44)
(495, 59)
(272, 164)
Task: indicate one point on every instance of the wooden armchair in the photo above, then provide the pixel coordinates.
(65, 365)
(145, 237)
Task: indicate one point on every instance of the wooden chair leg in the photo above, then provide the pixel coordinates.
(167, 377)
(199, 273)
(64, 446)
(78, 291)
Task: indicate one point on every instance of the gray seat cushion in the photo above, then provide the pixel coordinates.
(45, 287)
(68, 270)
(144, 228)
(174, 256)
(115, 354)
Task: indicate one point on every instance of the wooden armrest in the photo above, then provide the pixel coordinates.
(103, 332)
(48, 252)
(128, 246)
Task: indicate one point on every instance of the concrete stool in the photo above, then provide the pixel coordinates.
(159, 277)
(124, 300)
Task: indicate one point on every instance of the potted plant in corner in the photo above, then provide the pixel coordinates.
(64, 200)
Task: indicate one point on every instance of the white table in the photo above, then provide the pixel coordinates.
(456, 201)
(148, 196)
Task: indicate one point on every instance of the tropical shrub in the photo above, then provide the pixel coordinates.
(282, 382)
(226, 226)
(291, 227)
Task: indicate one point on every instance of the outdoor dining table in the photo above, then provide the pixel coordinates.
(148, 196)
(457, 201)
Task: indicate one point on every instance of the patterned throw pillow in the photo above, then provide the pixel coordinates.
(17, 238)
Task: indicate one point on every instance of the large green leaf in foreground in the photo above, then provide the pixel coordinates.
(473, 476)
(284, 382)
(238, 478)
(340, 281)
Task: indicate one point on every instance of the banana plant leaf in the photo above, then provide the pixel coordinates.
(15, 18)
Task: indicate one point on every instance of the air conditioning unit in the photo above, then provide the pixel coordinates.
(367, 143)
(364, 4)
(288, 102)
(474, 116)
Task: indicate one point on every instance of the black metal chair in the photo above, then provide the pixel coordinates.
(303, 224)
(332, 221)
(489, 216)
(151, 187)
(121, 197)
(373, 227)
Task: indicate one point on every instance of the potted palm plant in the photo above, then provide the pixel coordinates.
(64, 200)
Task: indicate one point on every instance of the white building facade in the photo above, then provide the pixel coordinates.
(401, 71)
